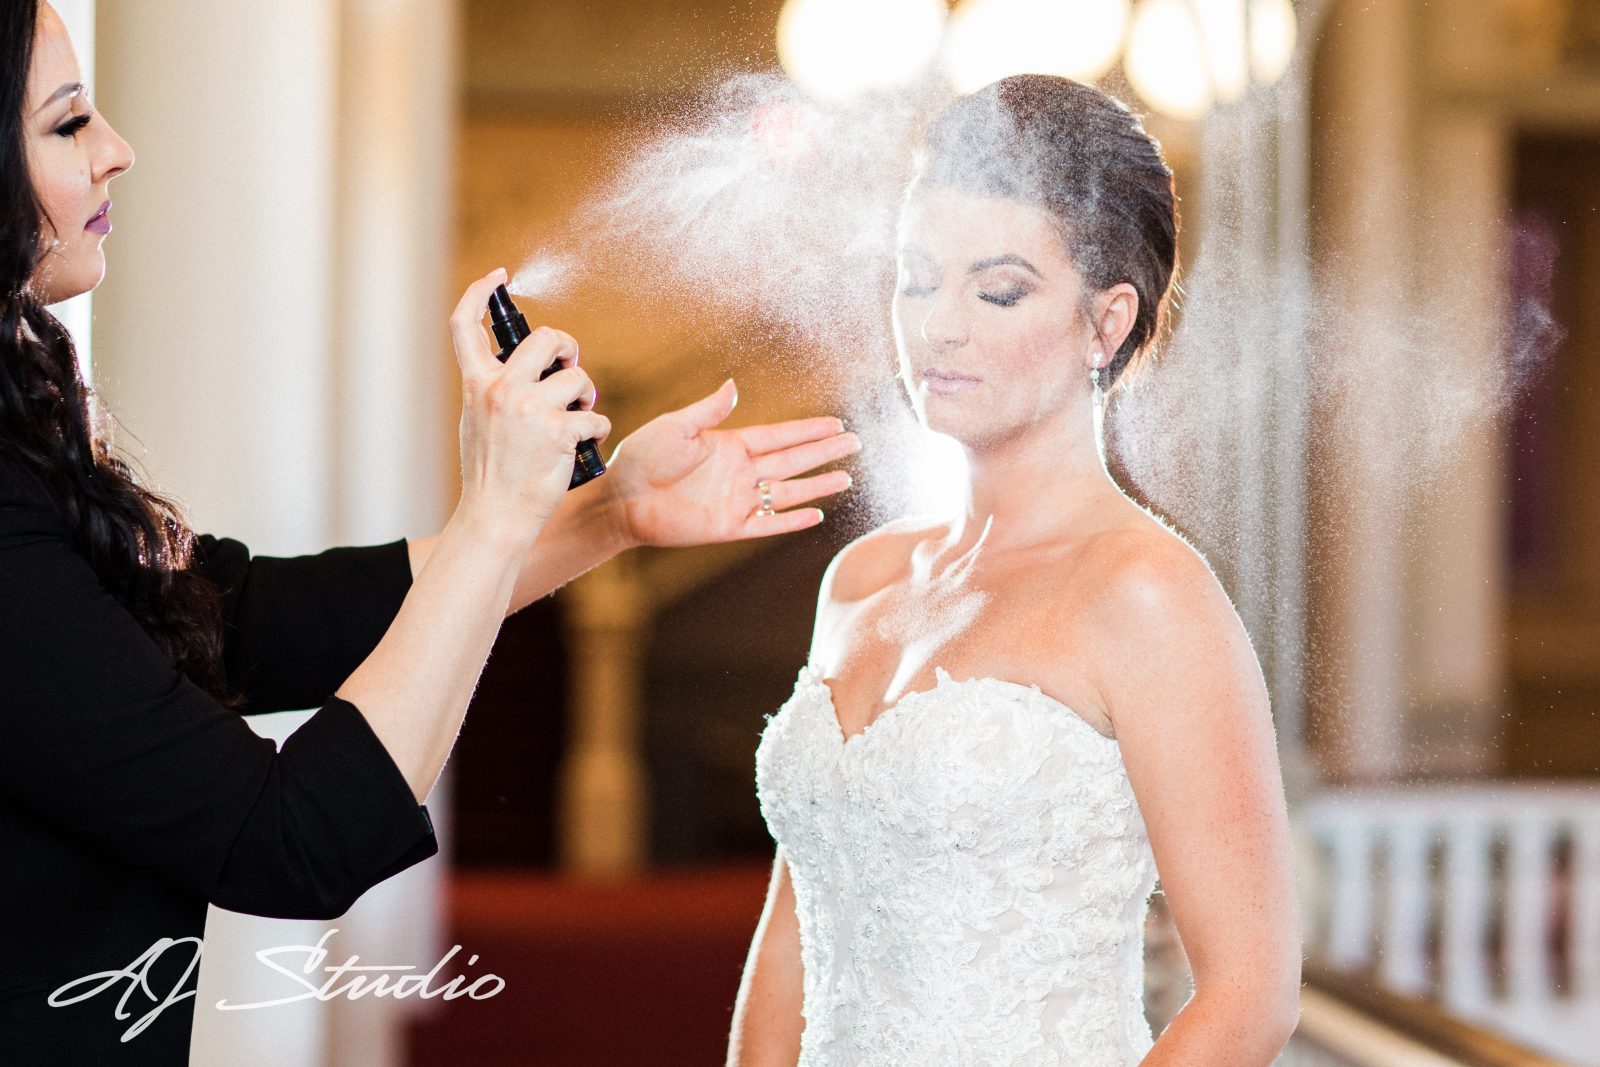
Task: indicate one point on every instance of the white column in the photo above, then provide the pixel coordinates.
(396, 380)
(1404, 960)
(1586, 910)
(396, 392)
(215, 319)
(1349, 936)
(272, 334)
(1463, 957)
(1529, 891)
(603, 825)
(215, 339)
(1457, 613)
(1364, 177)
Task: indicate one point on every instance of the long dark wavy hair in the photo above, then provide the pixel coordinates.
(136, 541)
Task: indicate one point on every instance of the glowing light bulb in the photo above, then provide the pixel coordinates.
(1166, 61)
(992, 39)
(1272, 37)
(1222, 33)
(838, 50)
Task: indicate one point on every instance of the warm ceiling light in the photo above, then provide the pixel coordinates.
(1222, 37)
(838, 50)
(1272, 36)
(992, 39)
(1166, 61)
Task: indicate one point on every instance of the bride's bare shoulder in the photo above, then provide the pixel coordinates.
(875, 560)
(1142, 574)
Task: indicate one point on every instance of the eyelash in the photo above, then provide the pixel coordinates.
(1006, 299)
(71, 127)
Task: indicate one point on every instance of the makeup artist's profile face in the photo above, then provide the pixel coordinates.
(73, 154)
(987, 319)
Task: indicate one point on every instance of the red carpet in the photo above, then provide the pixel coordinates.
(597, 974)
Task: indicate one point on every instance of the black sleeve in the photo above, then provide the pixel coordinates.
(102, 738)
(296, 628)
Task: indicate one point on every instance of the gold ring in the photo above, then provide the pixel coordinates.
(765, 489)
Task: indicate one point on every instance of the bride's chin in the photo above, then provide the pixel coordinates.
(968, 433)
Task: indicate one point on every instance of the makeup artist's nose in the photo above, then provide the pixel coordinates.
(944, 326)
(113, 155)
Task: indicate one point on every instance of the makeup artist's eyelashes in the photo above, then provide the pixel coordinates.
(73, 126)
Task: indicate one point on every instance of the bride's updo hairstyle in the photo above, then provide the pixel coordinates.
(1084, 158)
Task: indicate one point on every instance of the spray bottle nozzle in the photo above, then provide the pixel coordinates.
(510, 328)
(508, 323)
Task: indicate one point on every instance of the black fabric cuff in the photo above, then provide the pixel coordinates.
(347, 787)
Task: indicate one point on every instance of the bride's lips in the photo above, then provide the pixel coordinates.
(948, 382)
(101, 222)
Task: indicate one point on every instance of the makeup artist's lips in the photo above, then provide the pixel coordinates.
(948, 383)
(101, 222)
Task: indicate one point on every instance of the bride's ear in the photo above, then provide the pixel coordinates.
(1115, 311)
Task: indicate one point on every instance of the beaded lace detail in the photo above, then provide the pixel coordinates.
(971, 876)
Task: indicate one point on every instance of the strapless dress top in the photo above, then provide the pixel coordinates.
(971, 876)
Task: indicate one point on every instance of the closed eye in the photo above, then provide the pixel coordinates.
(72, 126)
(1007, 298)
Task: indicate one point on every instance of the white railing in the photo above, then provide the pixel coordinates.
(1482, 896)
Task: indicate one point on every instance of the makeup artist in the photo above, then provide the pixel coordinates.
(132, 793)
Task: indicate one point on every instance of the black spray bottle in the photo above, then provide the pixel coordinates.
(509, 329)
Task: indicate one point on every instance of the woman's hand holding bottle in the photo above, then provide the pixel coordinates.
(518, 440)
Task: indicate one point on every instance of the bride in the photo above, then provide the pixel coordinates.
(1012, 720)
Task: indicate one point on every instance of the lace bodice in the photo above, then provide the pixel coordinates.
(971, 875)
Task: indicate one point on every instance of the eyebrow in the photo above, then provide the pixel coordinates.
(69, 90)
(1007, 260)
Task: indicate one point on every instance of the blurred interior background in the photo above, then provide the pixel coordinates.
(318, 179)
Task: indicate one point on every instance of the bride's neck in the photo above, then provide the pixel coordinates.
(1033, 486)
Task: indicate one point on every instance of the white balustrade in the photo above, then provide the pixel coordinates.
(1484, 896)
(1586, 911)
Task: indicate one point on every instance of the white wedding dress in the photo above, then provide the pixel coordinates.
(971, 876)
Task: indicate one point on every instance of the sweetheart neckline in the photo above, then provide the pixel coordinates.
(941, 679)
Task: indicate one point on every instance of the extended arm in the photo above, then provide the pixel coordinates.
(518, 439)
(767, 1019)
(583, 533)
(1193, 723)
(106, 742)
(679, 480)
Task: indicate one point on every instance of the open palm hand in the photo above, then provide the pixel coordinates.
(680, 481)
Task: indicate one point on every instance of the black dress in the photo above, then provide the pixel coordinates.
(129, 798)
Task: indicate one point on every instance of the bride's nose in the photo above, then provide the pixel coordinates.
(944, 326)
